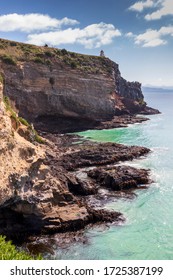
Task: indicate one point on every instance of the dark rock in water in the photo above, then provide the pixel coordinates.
(80, 187)
(149, 111)
(119, 178)
(102, 215)
(51, 200)
(95, 154)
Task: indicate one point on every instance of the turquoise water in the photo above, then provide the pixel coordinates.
(148, 230)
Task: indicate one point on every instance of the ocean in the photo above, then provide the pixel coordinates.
(147, 232)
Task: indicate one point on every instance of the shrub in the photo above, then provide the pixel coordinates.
(7, 102)
(13, 44)
(48, 62)
(49, 54)
(2, 46)
(72, 54)
(8, 60)
(23, 121)
(38, 60)
(1, 79)
(41, 55)
(58, 52)
(15, 118)
(38, 139)
(64, 51)
(26, 54)
(73, 65)
(35, 137)
(9, 252)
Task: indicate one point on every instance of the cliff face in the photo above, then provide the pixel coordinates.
(31, 198)
(46, 82)
(73, 94)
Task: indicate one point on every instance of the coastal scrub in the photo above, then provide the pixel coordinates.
(9, 252)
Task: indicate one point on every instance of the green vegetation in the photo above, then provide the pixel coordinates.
(9, 252)
(23, 121)
(73, 65)
(8, 60)
(48, 62)
(64, 51)
(38, 60)
(49, 54)
(6, 102)
(142, 102)
(13, 114)
(37, 137)
(1, 79)
(12, 52)
(19, 120)
(33, 132)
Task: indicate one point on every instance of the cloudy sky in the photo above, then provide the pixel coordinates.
(136, 34)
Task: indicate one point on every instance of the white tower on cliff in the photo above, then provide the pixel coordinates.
(102, 53)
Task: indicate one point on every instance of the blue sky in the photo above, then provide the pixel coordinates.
(138, 35)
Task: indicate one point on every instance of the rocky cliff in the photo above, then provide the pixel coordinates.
(41, 189)
(45, 82)
(48, 188)
(31, 198)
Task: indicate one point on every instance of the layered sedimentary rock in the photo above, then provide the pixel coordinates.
(46, 82)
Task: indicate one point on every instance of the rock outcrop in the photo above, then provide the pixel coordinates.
(51, 85)
(31, 200)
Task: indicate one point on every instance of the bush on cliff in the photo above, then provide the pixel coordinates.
(34, 136)
(73, 65)
(8, 60)
(9, 252)
(13, 114)
(1, 79)
(38, 60)
(64, 51)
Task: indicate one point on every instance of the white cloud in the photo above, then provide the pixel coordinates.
(141, 5)
(129, 35)
(154, 38)
(92, 36)
(165, 9)
(31, 22)
(44, 29)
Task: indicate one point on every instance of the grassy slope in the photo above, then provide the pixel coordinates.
(12, 52)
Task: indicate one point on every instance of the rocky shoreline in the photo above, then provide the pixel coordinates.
(69, 125)
(62, 185)
(92, 173)
(51, 190)
(78, 173)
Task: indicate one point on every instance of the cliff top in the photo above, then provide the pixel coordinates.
(12, 52)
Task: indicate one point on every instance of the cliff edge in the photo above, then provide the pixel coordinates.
(48, 85)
